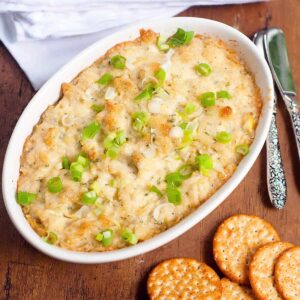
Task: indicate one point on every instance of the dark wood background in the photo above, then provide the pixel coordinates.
(27, 274)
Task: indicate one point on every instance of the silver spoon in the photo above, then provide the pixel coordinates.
(276, 180)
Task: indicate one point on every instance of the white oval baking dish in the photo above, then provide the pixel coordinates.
(50, 92)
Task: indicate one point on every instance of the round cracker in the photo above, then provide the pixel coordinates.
(183, 278)
(235, 242)
(234, 291)
(287, 273)
(261, 270)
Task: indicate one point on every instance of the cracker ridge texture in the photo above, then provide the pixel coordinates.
(234, 291)
(235, 242)
(261, 270)
(183, 278)
(287, 274)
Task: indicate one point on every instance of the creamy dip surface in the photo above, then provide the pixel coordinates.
(138, 141)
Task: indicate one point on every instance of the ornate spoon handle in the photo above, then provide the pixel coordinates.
(292, 108)
(275, 172)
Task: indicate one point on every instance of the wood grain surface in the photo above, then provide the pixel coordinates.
(25, 273)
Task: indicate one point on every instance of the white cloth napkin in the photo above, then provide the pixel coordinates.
(42, 35)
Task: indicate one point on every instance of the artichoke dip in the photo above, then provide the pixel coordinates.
(138, 141)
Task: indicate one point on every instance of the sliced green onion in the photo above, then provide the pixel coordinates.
(160, 75)
(113, 142)
(25, 198)
(120, 138)
(109, 140)
(147, 93)
(76, 171)
(90, 130)
(161, 43)
(223, 137)
(105, 79)
(55, 185)
(181, 37)
(95, 187)
(51, 238)
(203, 69)
(186, 171)
(156, 190)
(187, 134)
(208, 99)
(129, 237)
(89, 198)
(223, 95)
(65, 163)
(242, 149)
(173, 195)
(83, 159)
(175, 179)
(105, 237)
(205, 163)
(112, 183)
(189, 108)
(118, 61)
(97, 108)
(139, 120)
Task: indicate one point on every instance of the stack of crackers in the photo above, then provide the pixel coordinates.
(248, 251)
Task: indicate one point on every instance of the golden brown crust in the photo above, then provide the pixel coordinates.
(287, 273)
(235, 242)
(183, 278)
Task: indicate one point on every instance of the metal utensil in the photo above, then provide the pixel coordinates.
(277, 55)
(276, 181)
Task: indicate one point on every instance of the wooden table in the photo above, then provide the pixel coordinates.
(25, 273)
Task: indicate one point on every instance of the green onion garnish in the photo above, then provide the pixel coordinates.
(65, 163)
(187, 134)
(112, 183)
(25, 198)
(242, 149)
(173, 195)
(97, 108)
(186, 171)
(181, 37)
(189, 108)
(120, 138)
(51, 238)
(105, 237)
(160, 75)
(113, 142)
(161, 43)
(76, 171)
(129, 237)
(203, 69)
(208, 99)
(55, 185)
(156, 190)
(205, 163)
(223, 137)
(223, 95)
(139, 120)
(175, 179)
(83, 159)
(147, 93)
(89, 198)
(118, 61)
(105, 79)
(95, 187)
(90, 130)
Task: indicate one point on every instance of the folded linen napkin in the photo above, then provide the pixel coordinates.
(42, 35)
